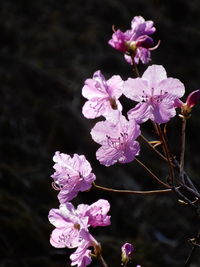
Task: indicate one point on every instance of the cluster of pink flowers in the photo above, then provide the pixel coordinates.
(74, 174)
(156, 96)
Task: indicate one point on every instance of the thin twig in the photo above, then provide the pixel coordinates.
(136, 68)
(153, 148)
(191, 254)
(152, 174)
(182, 155)
(166, 150)
(186, 200)
(186, 177)
(131, 191)
(102, 261)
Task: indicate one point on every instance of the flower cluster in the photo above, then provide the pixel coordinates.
(156, 96)
(74, 174)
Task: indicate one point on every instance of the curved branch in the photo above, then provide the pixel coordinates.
(152, 192)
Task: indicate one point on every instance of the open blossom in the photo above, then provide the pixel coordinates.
(157, 95)
(102, 95)
(117, 141)
(135, 42)
(72, 224)
(72, 174)
(72, 228)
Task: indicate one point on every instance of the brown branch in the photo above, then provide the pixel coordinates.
(152, 192)
(191, 254)
(166, 150)
(152, 174)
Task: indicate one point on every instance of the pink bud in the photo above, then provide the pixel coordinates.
(193, 98)
(127, 252)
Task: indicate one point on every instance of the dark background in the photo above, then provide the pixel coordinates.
(47, 49)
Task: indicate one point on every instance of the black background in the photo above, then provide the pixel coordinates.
(47, 49)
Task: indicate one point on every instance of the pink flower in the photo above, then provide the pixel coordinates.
(72, 224)
(96, 213)
(135, 42)
(82, 256)
(117, 141)
(102, 95)
(155, 93)
(73, 174)
(72, 228)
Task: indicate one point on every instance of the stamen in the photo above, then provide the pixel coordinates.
(156, 46)
(113, 28)
(55, 186)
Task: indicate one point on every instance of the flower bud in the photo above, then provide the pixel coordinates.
(193, 98)
(127, 252)
(186, 108)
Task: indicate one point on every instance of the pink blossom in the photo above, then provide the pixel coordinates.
(117, 141)
(82, 256)
(96, 213)
(102, 95)
(135, 43)
(157, 95)
(72, 224)
(72, 228)
(72, 174)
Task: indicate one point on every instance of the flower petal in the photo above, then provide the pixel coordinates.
(154, 75)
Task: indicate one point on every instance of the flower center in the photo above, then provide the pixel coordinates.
(119, 142)
(77, 226)
(113, 103)
(153, 99)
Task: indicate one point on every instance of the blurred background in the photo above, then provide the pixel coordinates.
(47, 50)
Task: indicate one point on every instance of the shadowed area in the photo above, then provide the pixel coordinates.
(47, 50)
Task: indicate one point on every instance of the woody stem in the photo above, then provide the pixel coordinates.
(152, 192)
(166, 150)
(182, 150)
(152, 174)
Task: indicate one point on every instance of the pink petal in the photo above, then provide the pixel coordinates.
(172, 86)
(135, 88)
(108, 155)
(115, 86)
(154, 75)
(141, 112)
